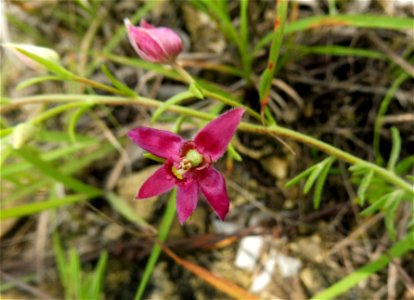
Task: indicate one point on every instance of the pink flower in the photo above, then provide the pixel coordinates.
(188, 163)
(157, 45)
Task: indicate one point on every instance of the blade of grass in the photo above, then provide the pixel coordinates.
(363, 186)
(51, 171)
(171, 101)
(321, 181)
(95, 288)
(383, 110)
(277, 37)
(156, 249)
(361, 274)
(244, 38)
(358, 21)
(125, 210)
(34, 208)
(32, 81)
(395, 150)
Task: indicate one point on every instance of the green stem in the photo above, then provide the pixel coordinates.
(54, 111)
(98, 85)
(248, 127)
(183, 73)
(206, 93)
(328, 149)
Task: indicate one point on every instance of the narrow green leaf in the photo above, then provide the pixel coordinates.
(34, 208)
(396, 148)
(75, 273)
(49, 65)
(312, 178)
(196, 90)
(167, 219)
(171, 101)
(389, 219)
(118, 84)
(300, 176)
(377, 205)
(358, 169)
(51, 171)
(363, 186)
(277, 38)
(61, 263)
(95, 288)
(385, 103)
(321, 181)
(358, 21)
(361, 274)
(122, 208)
(32, 81)
(244, 37)
(75, 118)
(337, 50)
(154, 157)
(233, 153)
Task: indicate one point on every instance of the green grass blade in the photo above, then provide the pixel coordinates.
(312, 178)
(61, 264)
(51, 171)
(168, 217)
(300, 176)
(277, 37)
(358, 21)
(390, 217)
(396, 148)
(377, 205)
(363, 186)
(122, 208)
(34, 208)
(244, 37)
(321, 181)
(75, 118)
(361, 274)
(118, 84)
(49, 65)
(75, 274)
(32, 81)
(171, 101)
(95, 289)
(335, 50)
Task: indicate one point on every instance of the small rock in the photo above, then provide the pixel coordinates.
(275, 166)
(112, 232)
(312, 280)
(250, 248)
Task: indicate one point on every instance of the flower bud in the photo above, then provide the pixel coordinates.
(45, 53)
(157, 45)
(23, 133)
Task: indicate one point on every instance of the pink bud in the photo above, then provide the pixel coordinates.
(157, 45)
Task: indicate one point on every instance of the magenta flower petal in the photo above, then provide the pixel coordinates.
(216, 135)
(154, 44)
(145, 24)
(161, 143)
(213, 187)
(158, 183)
(187, 199)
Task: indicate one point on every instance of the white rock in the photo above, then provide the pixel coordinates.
(249, 251)
(288, 266)
(265, 276)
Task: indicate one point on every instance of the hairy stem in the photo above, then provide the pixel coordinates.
(248, 127)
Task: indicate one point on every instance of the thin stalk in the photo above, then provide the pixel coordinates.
(248, 127)
(206, 93)
(98, 85)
